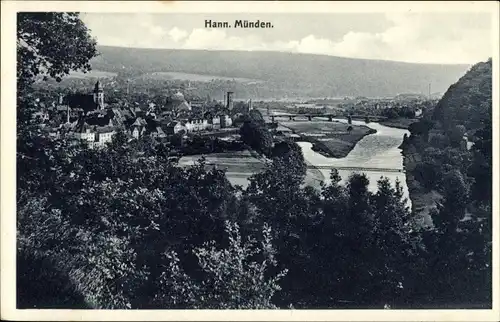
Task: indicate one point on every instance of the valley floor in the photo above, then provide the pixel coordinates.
(331, 139)
(240, 166)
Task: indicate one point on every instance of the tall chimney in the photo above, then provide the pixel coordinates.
(250, 105)
(67, 114)
(229, 101)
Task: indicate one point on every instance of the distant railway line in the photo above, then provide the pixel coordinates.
(367, 169)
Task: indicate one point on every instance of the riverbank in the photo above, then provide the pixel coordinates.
(241, 165)
(423, 202)
(331, 139)
(399, 123)
(314, 177)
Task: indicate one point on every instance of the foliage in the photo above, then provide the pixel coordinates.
(256, 117)
(257, 137)
(51, 44)
(290, 153)
(456, 250)
(114, 207)
(235, 277)
(468, 101)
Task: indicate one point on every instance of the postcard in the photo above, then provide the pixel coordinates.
(250, 161)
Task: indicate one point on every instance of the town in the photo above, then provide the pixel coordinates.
(90, 118)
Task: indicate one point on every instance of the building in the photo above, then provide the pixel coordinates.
(41, 116)
(225, 121)
(198, 105)
(229, 101)
(137, 131)
(96, 136)
(103, 136)
(98, 95)
(175, 128)
(176, 103)
(86, 102)
(138, 128)
(221, 121)
(197, 125)
(155, 132)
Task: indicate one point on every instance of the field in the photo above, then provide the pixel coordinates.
(239, 166)
(329, 138)
(91, 74)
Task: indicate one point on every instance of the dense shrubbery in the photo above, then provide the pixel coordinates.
(206, 144)
(106, 219)
(463, 219)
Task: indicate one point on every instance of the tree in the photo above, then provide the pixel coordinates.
(256, 137)
(51, 44)
(257, 117)
(456, 135)
(394, 243)
(390, 113)
(456, 193)
(291, 153)
(421, 128)
(481, 167)
(235, 277)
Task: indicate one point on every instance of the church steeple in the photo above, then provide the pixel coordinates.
(98, 86)
(99, 95)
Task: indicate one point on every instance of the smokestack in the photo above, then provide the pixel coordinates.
(60, 99)
(229, 101)
(67, 114)
(250, 105)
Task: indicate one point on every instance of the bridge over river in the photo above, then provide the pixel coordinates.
(330, 116)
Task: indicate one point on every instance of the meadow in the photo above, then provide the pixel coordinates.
(330, 138)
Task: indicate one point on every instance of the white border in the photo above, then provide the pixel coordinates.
(8, 161)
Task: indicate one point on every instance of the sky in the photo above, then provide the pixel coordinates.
(441, 38)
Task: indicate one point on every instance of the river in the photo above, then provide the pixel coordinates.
(378, 150)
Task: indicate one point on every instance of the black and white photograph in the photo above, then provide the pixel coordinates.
(166, 158)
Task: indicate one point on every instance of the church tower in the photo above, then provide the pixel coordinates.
(99, 95)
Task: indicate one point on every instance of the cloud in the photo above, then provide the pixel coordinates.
(205, 39)
(177, 34)
(410, 37)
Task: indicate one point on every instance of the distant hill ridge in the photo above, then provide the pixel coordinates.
(288, 73)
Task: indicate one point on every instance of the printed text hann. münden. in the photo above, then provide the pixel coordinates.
(238, 24)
